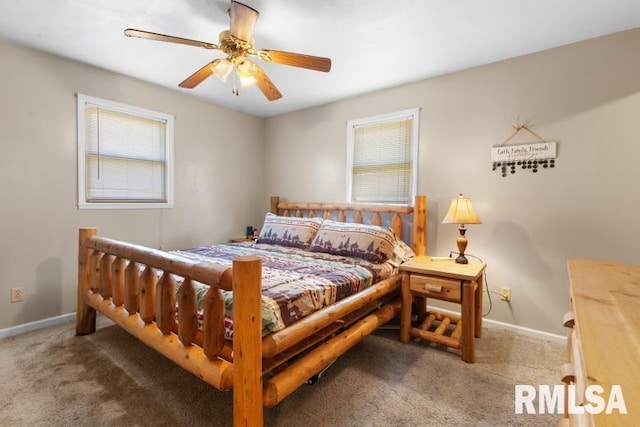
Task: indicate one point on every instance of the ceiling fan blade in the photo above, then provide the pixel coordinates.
(316, 63)
(243, 20)
(196, 78)
(131, 32)
(265, 84)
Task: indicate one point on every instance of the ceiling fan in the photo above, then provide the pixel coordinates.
(238, 44)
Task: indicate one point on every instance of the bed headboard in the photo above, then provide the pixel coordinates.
(364, 213)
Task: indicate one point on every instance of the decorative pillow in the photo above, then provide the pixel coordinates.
(401, 253)
(369, 242)
(289, 231)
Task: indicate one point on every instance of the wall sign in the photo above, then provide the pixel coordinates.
(514, 153)
(532, 156)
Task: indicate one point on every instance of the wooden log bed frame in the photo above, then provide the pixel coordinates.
(135, 286)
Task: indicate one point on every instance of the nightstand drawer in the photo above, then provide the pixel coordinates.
(435, 287)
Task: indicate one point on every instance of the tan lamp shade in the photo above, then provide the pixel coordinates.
(461, 212)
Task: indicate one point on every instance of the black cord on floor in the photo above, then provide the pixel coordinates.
(485, 279)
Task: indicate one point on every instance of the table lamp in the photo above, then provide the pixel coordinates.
(461, 212)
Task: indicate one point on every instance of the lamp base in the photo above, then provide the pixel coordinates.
(462, 245)
(461, 259)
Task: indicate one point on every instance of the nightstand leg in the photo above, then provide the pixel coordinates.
(421, 306)
(405, 310)
(468, 321)
(479, 289)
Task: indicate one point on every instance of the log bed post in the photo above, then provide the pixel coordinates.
(274, 204)
(419, 237)
(85, 314)
(247, 342)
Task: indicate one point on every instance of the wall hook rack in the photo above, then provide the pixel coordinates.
(532, 156)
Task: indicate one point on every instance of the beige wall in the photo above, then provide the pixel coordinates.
(585, 96)
(219, 177)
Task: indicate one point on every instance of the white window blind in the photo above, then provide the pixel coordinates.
(124, 155)
(383, 155)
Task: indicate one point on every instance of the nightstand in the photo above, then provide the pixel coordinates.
(443, 279)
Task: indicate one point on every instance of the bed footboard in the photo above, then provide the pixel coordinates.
(121, 281)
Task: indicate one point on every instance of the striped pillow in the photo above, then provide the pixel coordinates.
(369, 242)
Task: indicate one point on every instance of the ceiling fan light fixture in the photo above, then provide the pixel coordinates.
(222, 70)
(245, 70)
(246, 80)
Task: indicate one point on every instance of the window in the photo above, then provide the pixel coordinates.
(382, 153)
(125, 156)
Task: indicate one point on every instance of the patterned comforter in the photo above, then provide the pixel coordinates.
(295, 283)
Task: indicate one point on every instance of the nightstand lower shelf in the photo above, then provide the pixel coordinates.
(435, 327)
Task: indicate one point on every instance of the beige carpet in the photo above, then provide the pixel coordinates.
(52, 378)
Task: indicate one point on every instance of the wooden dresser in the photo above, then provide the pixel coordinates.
(603, 345)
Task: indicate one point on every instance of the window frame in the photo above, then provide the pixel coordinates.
(414, 113)
(82, 102)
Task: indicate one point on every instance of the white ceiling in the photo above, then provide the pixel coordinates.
(373, 44)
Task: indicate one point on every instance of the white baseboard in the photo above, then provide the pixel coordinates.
(514, 328)
(38, 324)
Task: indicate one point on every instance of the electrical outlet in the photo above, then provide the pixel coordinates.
(16, 295)
(505, 294)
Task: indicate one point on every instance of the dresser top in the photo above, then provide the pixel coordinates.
(606, 305)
